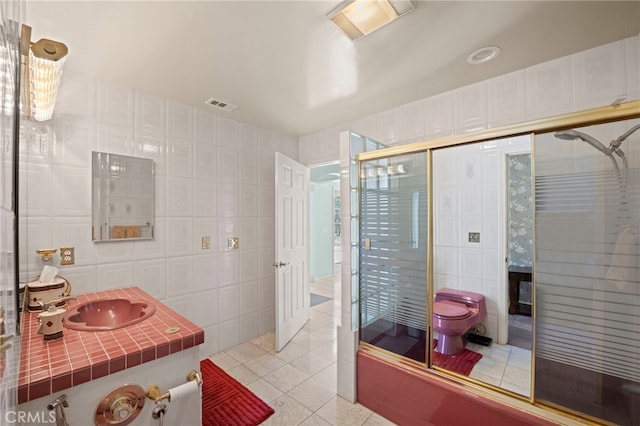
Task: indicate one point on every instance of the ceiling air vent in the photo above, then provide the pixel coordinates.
(221, 104)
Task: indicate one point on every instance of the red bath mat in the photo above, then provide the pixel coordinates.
(461, 363)
(225, 402)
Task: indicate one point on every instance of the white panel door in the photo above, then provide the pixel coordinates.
(292, 248)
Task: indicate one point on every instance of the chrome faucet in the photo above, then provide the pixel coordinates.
(58, 405)
(46, 305)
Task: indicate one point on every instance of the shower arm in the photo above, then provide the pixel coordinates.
(615, 144)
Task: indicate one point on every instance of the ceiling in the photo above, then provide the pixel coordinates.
(288, 68)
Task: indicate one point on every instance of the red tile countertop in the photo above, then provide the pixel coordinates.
(82, 356)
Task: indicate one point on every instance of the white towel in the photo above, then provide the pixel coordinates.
(624, 261)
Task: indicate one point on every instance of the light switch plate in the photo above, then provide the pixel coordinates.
(233, 243)
(206, 243)
(67, 256)
(474, 237)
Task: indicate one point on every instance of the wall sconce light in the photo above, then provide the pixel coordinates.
(357, 18)
(42, 64)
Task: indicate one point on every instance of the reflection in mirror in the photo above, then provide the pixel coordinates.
(477, 188)
(122, 197)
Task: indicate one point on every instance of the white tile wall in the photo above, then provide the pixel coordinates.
(228, 268)
(206, 199)
(470, 107)
(115, 275)
(83, 279)
(116, 139)
(72, 231)
(75, 197)
(77, 97)
(180, 158)
(74, 140)
(205, 272)
(115, 105)
(206, 308)
(598, 76)
(228, 200)
(151, 276)
(179, 121)
(214, 177)
(507, 103)
(439, 119)
(549, 88)
(410, 121)
(180, 276)
(632, 60)
(387, 127)
(150, 114)
(228, 333)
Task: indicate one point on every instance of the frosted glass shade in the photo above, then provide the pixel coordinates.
(44, 76)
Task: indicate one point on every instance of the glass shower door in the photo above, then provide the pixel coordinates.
(393, 254)
(587, 269)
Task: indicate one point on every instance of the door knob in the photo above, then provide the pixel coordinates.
(280, 264)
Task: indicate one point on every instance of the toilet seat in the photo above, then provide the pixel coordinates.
(448, 310)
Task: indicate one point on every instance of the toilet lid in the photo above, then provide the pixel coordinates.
(450, 310)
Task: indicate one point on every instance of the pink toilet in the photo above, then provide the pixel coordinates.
(454, 313)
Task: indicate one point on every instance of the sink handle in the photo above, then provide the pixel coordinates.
(48, 304)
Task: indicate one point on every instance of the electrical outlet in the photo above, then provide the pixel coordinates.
(233, 243)
(206, 243)
(67, 256)
(474, 237)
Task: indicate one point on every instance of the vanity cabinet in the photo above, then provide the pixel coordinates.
(88, 365)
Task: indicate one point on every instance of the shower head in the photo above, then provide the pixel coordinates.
(570, 135)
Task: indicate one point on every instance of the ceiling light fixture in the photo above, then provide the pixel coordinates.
(483, 55)
(42, 63)
(357, 18)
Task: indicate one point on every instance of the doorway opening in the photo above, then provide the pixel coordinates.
(325, 233)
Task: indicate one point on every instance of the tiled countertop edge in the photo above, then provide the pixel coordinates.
(79, 357)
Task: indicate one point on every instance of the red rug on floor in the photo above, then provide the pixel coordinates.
(461, 363)
(227, 402)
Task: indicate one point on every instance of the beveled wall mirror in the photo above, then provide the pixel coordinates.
(122, 197)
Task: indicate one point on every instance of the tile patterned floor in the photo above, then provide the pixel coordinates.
(503, 365)
(300, 381)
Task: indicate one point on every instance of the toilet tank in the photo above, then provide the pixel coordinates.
(470, 299)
